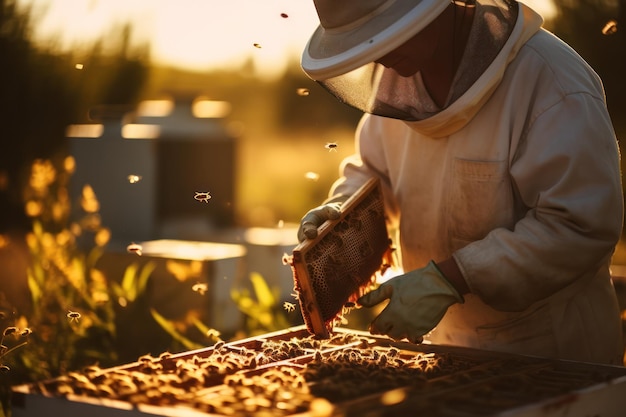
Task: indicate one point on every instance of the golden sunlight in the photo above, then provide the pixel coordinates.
(189, 34)
(195, 34)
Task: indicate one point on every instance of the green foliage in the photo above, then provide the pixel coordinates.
(134, 282)
(73, 316)
(170, 327)
(263, 312)
(42, 91)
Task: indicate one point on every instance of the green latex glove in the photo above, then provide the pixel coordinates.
(417, 302)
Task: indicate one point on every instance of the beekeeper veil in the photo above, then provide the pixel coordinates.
(353, 34)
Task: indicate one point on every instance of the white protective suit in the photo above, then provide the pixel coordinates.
(519, 181)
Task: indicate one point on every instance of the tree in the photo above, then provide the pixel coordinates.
(43, 90)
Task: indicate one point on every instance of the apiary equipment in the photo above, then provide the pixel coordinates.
(351, 373)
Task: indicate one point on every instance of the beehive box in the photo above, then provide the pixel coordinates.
(291, 373)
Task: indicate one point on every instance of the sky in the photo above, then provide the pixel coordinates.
(194, 34)
(190, 34)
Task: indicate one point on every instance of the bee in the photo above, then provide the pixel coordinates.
(200, 287)
(284, 15)
(145, 358)
(257, 45)
(610, 28)
(202, 196)
(331, 146)
(213, 333)
(10, 330)
(133, 179)
(382, 360)
(134, 248)
(287, 259)
(312, 176)
(73, 316)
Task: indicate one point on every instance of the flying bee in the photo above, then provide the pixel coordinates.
(312, 176)
(10, 330)
(200, 287)
(134, 248)
(133, 179)
(203, 196)
(610, 27)
(213, 333)
(73, 316)
(303, 92)
(331, 146)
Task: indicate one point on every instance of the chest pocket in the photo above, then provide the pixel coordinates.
(480, 199)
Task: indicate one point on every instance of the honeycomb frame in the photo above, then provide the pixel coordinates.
(334, 269)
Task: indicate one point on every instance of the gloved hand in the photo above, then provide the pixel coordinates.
(417, 302)
(314, 218)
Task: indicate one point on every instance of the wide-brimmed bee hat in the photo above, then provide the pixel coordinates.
(353, 33)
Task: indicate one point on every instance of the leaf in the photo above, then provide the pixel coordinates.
(135, 280)
(128, 282)
(33, 286)
(144, 275)
(264, 294)
(169, 327)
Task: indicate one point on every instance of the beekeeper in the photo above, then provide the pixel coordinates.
(500, 170)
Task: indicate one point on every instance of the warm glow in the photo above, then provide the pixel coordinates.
(140, 131)
(155, 108)
(204, 108)
(393, 397)
(190, 34)
(263, 236)
(196, 34)
(188, 250)
(84, 131)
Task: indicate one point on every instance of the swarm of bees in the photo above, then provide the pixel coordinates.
(277, 376)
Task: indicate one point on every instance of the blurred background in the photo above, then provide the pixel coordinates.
(185, 128)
